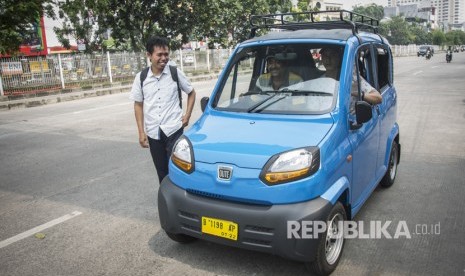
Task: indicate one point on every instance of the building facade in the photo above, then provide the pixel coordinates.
(323, 5)
(448, 12)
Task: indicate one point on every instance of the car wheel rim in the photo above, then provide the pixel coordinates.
(393, 165)
(334, 239)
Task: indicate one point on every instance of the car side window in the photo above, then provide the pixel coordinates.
(383, 67)
(362, 68)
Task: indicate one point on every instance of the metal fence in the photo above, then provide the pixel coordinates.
(33, 75)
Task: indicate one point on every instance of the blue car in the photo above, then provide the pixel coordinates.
(286, 142)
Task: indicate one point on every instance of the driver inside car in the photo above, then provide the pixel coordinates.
(278, 75)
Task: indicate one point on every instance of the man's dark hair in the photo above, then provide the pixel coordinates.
(156, 41)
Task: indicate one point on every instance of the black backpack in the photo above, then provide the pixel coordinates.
(174, 75)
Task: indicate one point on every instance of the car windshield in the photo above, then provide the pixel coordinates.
(283, 79)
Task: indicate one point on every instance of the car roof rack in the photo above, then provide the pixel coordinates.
(341, 19)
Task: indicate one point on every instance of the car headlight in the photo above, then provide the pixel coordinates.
(183, 156)
(291, 165)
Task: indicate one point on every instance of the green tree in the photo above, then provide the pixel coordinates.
(461, 35)
(132, 22)
(438, 37)
(16, 20)
(372, 10)
(302, 5)
(418, 35)
(226, 22)
(396, 31)
(79, 18)
(282, 6)
(455, 37)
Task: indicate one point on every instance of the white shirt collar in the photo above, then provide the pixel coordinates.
(165, 71)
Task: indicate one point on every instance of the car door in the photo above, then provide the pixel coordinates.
(387, 108)
(364, 140)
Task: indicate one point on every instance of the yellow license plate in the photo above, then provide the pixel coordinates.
(221, 228)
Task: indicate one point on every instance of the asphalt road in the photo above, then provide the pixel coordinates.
(76, 171)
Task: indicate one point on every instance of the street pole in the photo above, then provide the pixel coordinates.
(61, 72)
(1, 87)
(109, 67)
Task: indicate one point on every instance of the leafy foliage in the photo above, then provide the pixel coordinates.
(396, 30)
(132, 21)
(372, 10)
(400, 32)
(438, 37)
(226, 21)
(455, 37)
(127, 24)
(419, 36)
(78, 22)
(16, 19)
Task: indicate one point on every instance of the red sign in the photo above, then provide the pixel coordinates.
(35, 42)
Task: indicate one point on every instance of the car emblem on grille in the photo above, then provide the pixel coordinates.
(224, 173)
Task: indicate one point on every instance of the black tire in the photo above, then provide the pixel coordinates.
(181, 238)
(391, 172)
(330, 247)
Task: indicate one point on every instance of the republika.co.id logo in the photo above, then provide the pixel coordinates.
(360, 229)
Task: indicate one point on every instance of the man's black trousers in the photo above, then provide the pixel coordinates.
(161, 151)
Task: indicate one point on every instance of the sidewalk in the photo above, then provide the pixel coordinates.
(74, 94)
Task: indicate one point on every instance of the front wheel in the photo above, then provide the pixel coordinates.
(331, 244)
(391, 173)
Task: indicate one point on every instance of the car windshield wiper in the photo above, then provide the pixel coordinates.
(266, 92)
(307, 92)
(261, 102)
(273, 102)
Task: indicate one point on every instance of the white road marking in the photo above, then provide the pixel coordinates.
(38, 229)
(416, 73)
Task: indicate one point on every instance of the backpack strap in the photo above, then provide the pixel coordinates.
(174, 76)
(143, 76)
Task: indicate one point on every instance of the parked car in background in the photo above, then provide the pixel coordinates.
(423, 49)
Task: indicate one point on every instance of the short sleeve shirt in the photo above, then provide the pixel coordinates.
(264, 82)
(365, 87)
(160, 101)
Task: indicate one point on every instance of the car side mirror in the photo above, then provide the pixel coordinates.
(363, 112)
(203, 103)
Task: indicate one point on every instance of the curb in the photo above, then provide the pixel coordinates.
(61, 97)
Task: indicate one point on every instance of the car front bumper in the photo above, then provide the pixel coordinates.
(260, 228)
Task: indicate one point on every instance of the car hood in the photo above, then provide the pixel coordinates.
(249, 141)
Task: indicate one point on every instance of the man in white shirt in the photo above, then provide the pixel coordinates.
(332, 61)
(157, 107)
